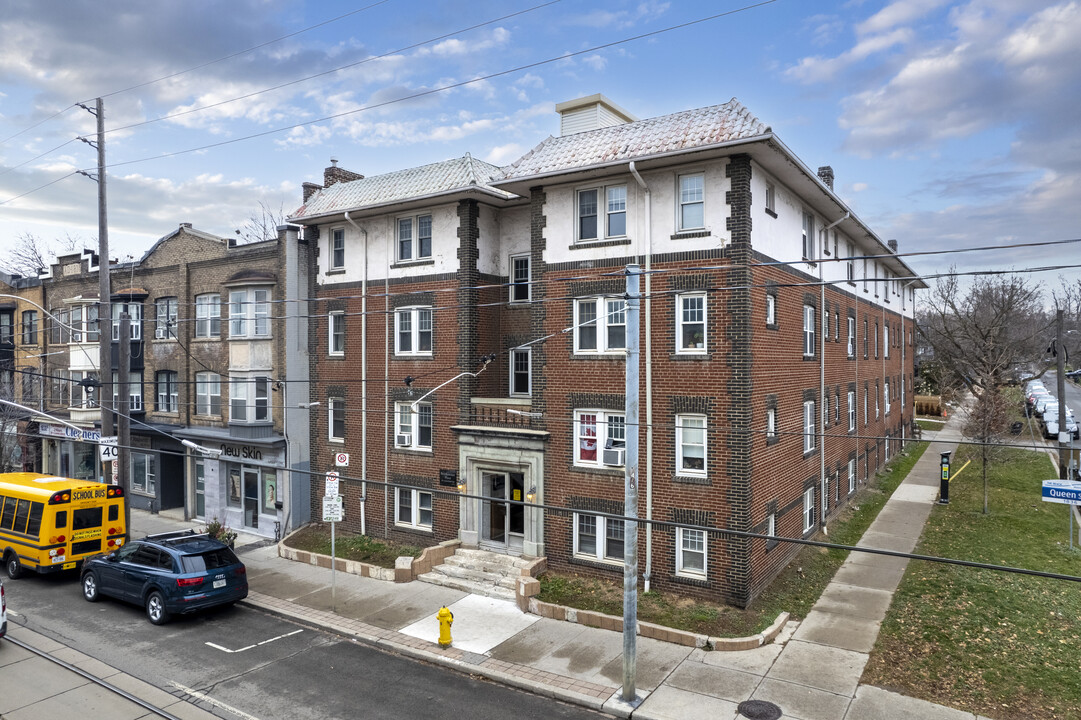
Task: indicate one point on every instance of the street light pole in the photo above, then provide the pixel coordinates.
(1063, 448)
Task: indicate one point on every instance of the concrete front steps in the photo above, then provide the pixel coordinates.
(481, 573)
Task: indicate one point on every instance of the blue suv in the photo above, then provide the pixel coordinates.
(168, 574)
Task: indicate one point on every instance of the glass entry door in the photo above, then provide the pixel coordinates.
(502, 524)
(251, 497)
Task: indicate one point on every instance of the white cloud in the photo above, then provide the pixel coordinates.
(504, 154)
(597, 63)
(898, 13)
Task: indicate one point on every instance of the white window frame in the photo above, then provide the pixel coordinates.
(415, 315)
(691, 542)
(850, 265)
(412, 420)
(826, 495)
(135, 390)
(337, 249)
(851, 336)
(851, 411)
(852, 476)
(809, 330)
(808, 509)
(771, 309)
(771, 197)
(604, 529)
(207, 388)
(336, 332)
(603, 429)
(808, 242)
(135, 321)
(165, 322)
(602, 322)
(771, 423)
(145, 482)
(886, 340)
(771, 525)
(810, 442)
(521, 287)
(414, 503)
(416, 249)
(684, 307)
(208, 315)
(514, 358)
(886, 396)
(683, 445)
(249, 399)
(171, 395)
(688, 198)
(249, 313)
(609, 205)
(826, 323)
(878, 408)
(335, 406)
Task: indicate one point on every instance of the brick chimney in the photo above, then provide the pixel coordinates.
(825, 174)
(310, 189)
(335, 174)
(893, 245)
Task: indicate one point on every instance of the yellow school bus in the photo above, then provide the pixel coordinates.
(53, 523)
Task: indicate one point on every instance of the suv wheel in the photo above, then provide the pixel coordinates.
(14, 567)
(90, 587)
(155, 608)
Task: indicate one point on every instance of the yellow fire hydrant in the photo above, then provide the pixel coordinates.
(446, 618)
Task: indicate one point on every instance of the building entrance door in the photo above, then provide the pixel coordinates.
(251, 497)
(502, 524)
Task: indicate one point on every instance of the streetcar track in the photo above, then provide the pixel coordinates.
(94, 679)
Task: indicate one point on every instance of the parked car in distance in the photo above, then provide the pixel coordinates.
(168, 574)
(1042, 403)
(1050, 428)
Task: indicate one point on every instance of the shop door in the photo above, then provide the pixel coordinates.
(200, 490)
(502, 524)
(251, 497)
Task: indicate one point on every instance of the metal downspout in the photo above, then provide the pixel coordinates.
(649, 374)
(363, 380)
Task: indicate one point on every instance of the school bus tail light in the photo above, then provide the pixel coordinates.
(111, 542)
(57, 539)
(60, 497)
(116, 491)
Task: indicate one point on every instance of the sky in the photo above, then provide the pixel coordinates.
(949, 124)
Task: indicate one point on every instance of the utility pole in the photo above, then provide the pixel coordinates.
(123, 403)
(1060, 352)
(105, 346)
(630, 490)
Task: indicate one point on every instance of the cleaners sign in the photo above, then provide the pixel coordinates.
(1067, 492)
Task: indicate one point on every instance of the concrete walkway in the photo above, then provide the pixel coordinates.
(812, 672)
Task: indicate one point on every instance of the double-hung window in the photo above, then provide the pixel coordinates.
(808, 509)
(208, 394)
(135, 321)
(30, 327)
(612, 222)
(691, 323)
(771, 423)
(166, 312)
(519, 278)
(886, 396)
(852, 475)
(337, 249)
(414, 508)
(691, 445)
(692, 192)
(771, 309)
(808, 330)
(336, 419)
(600, 438)
(851, 411)
(600, 325)
(771, 199)
(809, 441)
(144, 473)
(135, 390)
(886, 340)
(414, 238)
(413, 426)
(850, 265)
(413, 331)
(809, 236)
(249, 399)
(166, 382)
(249, 313)
(851, 337)
(521, 372)
(208, 316)
(598, 538)
(690, 552)
(336, 333)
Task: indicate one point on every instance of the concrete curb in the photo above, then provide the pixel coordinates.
(402, 572)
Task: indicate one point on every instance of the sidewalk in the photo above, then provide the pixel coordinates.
(811, 672)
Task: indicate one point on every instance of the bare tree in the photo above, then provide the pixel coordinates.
(30, 253)
(986, 334)
(987, 423)
(10, 450)
(262, 224)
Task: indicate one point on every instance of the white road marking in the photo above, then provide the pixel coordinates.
(12, 613)
(212, 701)
(227, 650)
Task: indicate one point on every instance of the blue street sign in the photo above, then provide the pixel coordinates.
(1067, 492)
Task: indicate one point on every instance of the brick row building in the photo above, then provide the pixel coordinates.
(468, 329)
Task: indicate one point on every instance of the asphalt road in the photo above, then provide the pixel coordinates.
(264, 667)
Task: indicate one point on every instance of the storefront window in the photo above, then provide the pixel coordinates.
(270, 491)
(200, 489)
(78, 460)
(234, 485)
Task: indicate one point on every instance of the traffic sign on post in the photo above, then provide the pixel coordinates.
(1067, 492)
(107, 448)
(341, 459)
(332, 484)
(333, 508)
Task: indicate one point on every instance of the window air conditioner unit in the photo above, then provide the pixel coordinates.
(404, 439)
(159, 333)
(614, 456)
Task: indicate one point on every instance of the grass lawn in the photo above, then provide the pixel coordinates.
(316, 538)
(1000, 644)
(795, 590)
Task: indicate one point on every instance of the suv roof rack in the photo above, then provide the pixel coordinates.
(176, 535)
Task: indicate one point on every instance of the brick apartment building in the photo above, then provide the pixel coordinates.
(21, 370)
(469, 330)
(207, 365)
